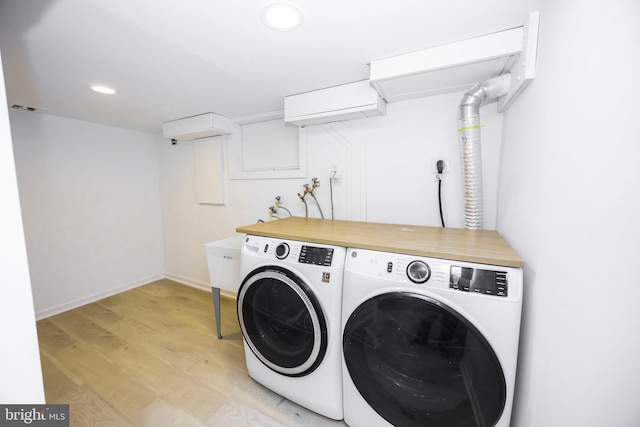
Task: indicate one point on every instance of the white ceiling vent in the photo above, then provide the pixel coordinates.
(200, 126)
(455, 66)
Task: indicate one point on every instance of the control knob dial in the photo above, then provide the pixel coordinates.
(418, 271)
(282, 251)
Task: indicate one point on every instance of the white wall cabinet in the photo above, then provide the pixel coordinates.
(200, 126)
(345, 102)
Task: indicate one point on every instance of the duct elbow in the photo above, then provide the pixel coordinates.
(474, 96)
(498, 86)
(482, 92)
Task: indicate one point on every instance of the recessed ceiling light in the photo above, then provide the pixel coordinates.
(282, 16)
(103, 89)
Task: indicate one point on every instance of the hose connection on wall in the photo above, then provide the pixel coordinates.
(315, 184)
(279, 205)
(275, 211)
(469, 138)
(302, 198)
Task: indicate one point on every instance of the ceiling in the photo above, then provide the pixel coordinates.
(170, 59)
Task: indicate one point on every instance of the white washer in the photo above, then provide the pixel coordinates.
(428, 342)
(289, 308)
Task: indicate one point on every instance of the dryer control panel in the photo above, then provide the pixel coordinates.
(486, 282)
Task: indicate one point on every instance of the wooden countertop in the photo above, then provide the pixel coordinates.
(481, 246)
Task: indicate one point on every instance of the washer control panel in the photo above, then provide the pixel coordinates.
(292, 252)
(315, 255)
(486, 282)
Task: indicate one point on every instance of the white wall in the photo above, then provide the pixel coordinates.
(386, 167)
(20, 375)
(569, 204)
(91, 208)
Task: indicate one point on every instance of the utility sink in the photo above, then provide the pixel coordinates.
(223, 261)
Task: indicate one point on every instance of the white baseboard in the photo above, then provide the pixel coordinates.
(51, 311)
(47, 312)
(189, 282)
(200, 285)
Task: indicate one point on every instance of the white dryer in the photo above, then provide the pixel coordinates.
(428, 342)
(289, 308)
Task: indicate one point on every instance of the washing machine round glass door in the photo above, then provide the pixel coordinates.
(418, 362)
(282, 321)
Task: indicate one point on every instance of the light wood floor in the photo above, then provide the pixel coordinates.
(150, 357)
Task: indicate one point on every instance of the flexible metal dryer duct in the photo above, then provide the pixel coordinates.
(470, 147)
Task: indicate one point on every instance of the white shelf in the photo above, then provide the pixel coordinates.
(456, 67)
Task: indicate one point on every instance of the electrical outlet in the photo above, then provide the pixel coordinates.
(434, 164)
(335, 173)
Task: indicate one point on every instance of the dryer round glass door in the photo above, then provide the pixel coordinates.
(418, 362)
(281, 321)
